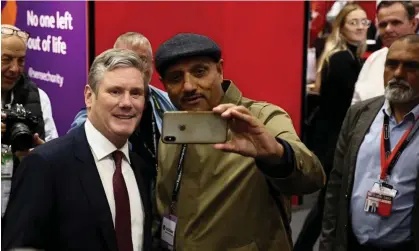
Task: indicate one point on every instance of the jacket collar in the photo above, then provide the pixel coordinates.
(232, 94)
(361, 122)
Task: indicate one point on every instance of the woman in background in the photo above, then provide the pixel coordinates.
(337, 73)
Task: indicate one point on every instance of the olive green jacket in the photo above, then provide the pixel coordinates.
(225, 201)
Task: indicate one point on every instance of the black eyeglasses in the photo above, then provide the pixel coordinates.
(11, 31)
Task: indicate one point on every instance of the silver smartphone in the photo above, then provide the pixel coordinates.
(183, 127)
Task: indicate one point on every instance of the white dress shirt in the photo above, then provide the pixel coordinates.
(50, 129)
(102, 150)
(370, 82)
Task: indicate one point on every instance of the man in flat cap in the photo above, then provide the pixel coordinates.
(235, 195)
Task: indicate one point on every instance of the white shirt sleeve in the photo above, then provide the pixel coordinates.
(362, 77)
(50, 129)
(370, 81)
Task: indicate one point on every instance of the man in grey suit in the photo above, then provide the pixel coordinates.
(377, 158)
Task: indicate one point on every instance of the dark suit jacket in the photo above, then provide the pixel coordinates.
(336, 228)
(57, 200)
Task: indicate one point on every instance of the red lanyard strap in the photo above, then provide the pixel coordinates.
(389, 158)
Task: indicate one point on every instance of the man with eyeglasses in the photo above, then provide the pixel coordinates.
(395, 19)
(17, 88)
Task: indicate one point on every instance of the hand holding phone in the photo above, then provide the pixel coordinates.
(250, 137)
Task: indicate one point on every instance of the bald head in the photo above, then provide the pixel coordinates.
(401, 72)
(13, 52)
(10, 26)
(8, 30)
(135, 40)
(138, 43)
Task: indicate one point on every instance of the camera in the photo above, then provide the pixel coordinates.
(20, 127)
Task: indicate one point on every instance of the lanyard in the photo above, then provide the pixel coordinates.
(153, 152)
(389, 158)
(176, 187)
(157, 105)
(154, 135)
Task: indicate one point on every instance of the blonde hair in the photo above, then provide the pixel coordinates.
(336, 41)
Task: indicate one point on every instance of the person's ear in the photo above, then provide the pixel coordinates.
(220, 66)
(415, 23)
(89, 94)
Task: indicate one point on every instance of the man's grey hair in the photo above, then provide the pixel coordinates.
(113, 59)
(395, 94)
(133, 39)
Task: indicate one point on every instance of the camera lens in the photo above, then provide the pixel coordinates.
(182, 127)
(20, 137)
(169, 138)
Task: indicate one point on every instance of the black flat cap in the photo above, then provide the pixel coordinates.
(185, 45)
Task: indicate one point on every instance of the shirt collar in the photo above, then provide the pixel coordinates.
(100, 145)
(387, 110)
(415, 111)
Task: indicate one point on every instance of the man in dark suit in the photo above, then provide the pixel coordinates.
(85, 191)
(377, 161)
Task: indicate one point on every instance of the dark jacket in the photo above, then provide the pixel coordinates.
(336, 228)
(26, 93)
(339, 76)
(58, 202)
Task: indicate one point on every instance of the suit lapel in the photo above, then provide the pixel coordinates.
(93, 187)
(364, 119)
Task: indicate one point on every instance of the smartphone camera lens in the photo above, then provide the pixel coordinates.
(169, 138)
(182, 127)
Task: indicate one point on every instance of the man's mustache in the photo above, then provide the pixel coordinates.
(188, 95)
(398, 82)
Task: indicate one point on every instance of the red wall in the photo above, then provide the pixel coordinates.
(370, 7)
(262, 42)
